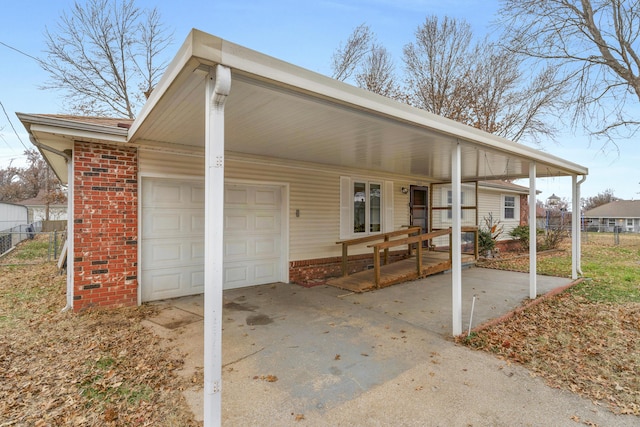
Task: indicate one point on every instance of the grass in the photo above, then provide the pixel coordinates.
(587, 339)
(33, 249)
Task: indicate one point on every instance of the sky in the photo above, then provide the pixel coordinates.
(304, 33)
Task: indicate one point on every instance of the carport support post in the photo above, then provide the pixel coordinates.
(533, 251)
(456, 240)
(217, 89)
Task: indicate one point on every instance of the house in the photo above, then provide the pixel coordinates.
(272, 164)
(621, 216)
(40, 210)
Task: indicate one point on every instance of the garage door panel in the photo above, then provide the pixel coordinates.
(267, 271)
(235, 195)
(266, 247)
(167, 193)
(172, 222)
(172, 283)
(270, 197)
(236, 222)
(161, 253)
(235, 248)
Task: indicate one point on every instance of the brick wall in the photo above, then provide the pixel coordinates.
(524, 210)
(106, 226)
(313, 272)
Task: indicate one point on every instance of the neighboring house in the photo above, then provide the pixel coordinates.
(621, 216)
(38, 207)
(300, 160)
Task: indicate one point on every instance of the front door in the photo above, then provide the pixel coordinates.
(418, 206)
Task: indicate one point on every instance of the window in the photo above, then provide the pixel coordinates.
(509, 207)
(629, 222)
(367, 215)
(450, 202)
(366, 207)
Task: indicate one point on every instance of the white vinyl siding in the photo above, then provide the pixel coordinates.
(491, 202)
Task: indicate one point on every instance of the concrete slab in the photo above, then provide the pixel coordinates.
(381, 358)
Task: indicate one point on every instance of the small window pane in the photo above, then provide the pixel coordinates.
(374, 206)
(359, 207)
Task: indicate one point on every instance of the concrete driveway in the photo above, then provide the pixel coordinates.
(323, 357)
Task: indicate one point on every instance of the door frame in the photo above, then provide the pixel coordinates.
(427, 212)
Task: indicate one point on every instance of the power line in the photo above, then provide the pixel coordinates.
(12, 127)
(21, 52)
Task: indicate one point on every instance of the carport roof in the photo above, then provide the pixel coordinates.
(279, 110)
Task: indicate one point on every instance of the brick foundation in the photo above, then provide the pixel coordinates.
(106, 226)
(313, 272)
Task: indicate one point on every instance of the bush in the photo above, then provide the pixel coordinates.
(485, 242)
(521, 234)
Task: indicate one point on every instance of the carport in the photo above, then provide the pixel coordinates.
(222, 101)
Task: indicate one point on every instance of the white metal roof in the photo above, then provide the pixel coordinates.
(283, 111)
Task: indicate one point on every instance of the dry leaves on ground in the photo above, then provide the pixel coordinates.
(97, 368)
(592, 349)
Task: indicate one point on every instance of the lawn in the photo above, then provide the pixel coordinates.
(98, 368)
(587, 339)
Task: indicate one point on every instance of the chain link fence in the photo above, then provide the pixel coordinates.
(37, 244)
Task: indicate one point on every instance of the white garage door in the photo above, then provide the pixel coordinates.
(172, 263)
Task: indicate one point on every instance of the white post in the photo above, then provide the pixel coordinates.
(456, 240)
(576, 230)
(533, 251)
(217, 89)
(70, 231)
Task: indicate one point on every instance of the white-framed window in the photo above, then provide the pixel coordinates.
(509, 207)
(629, 224)
(366, 207)
(612, 222)
(450, 202)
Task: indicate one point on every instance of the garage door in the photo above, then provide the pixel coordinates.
(172, 263)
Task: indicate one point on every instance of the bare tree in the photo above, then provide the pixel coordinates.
(105, 56)
(21, 183)
(376, 73)
(596, 44)
(479, 83)
(598, 200)
(369, 64)
(346, 58)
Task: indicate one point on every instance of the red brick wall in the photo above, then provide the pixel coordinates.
(312, 272)
(524, 209)
(105, 197)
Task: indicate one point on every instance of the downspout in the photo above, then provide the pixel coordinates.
(576, 220)
(68, 159)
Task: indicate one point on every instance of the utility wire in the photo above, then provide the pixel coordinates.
(12, 127)
(21, 52)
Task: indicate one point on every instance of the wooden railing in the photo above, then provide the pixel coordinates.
(385, 237)
(417, 240)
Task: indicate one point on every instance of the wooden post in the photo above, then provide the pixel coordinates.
(419, 258)
(345, 260)
(376, 265)
(386, 250)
